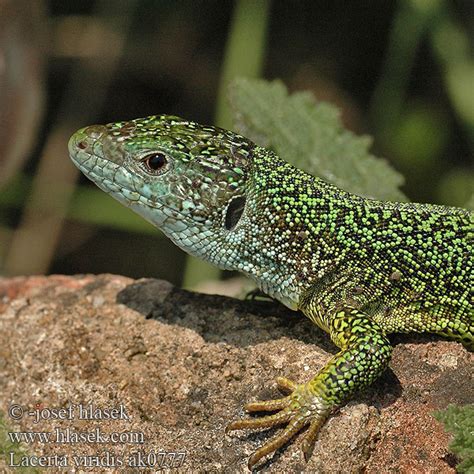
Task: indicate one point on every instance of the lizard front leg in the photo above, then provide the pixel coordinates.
(365, 353)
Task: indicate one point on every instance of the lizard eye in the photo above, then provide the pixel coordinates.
(155, 162)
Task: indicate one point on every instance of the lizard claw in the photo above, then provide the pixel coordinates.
(299, 409)
(286, 385)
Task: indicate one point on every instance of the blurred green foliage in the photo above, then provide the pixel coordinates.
(89, 205)
(418, 133)
(456, 188)
(470, 203)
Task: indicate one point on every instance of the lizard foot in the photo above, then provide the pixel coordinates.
(300, 408)
(257, 294)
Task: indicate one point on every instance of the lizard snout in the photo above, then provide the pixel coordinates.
(84, 139)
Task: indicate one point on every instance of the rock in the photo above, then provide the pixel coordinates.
(171, 368)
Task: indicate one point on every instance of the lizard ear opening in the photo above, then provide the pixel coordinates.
(234, 212)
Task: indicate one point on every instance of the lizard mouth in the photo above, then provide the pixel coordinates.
(86, 151)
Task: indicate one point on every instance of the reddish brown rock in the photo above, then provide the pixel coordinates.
(180, 365)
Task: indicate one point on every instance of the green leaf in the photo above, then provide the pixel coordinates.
(309, 135)
(460, 422)
(8, 448)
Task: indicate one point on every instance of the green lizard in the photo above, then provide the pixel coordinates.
(359, 268)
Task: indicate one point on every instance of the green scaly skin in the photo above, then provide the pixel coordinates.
(359, 268)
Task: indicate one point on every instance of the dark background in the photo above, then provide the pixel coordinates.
(399, 71)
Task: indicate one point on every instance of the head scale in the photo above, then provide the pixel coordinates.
(187, 179)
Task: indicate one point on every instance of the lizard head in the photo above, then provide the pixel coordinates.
(187, 179)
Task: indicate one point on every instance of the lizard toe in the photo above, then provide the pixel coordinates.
(262, 422)
(297, 410)
(277, 441)
(307, 444)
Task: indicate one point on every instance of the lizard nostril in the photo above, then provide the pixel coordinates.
(84, 138)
